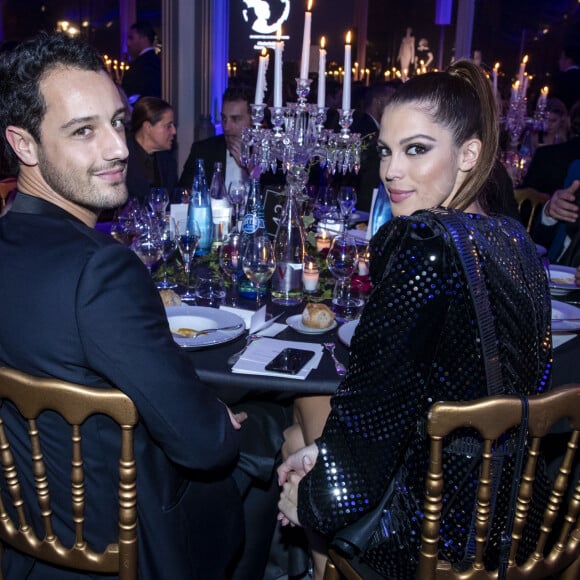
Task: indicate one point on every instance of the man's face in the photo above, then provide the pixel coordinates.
(135, 43)
(82, 155)
(235, 117)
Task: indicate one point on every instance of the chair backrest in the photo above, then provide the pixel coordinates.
(75, 403)
(6, 187)
(491, 417)
(529, 201)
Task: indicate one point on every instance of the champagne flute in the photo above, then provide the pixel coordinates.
(237, 193)
(148, 247)
(346, 199)
(230, 260)
(158, 200)
(258, 262)
(168, 246)
(187, 241)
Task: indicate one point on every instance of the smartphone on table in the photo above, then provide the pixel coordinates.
(290, 361)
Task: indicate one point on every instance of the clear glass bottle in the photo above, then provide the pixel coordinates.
(289, 251)
(220, 207)
(200, 208)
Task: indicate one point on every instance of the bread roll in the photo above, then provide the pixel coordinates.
(170, 298)
(317, 316)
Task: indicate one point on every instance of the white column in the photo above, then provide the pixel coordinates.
(464, 28)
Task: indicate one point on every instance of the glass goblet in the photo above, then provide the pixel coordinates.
(230, 261)
(346, 199)
(342, 257)
(237, 193)
(168, 247)
(187, 242)
(258, 262)
(148, 247)
(158, 200)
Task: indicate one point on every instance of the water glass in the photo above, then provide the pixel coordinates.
(347, 301)
(210, 291)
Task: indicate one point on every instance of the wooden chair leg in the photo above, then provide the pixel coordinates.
(330, 572)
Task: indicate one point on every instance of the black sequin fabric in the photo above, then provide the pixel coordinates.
(417, 343)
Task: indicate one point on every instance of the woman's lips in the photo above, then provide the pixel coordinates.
(398, 195)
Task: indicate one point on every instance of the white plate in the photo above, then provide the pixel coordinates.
(562, 279)
(565, 317)
(359, 216)
(295, 322)
(203, 318)
(346, 331)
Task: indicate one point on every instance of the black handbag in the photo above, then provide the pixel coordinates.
(355, 539)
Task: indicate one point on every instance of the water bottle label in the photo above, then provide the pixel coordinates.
(251, 223)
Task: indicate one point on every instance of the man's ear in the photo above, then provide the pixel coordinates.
(23, 144)
(469, 154)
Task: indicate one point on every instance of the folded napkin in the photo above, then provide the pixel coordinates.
(261, 352)
(256, 321)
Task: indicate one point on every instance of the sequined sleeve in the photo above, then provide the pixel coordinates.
(377, 407)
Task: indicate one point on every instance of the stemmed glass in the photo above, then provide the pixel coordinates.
(258, 262)
(230, 261)
(148, 246)
(158, 200)
(168, 246)
(187, 242)
(342, 261)
(346, 199)
(237, 192)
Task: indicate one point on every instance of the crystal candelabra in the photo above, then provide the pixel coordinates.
(297, 138)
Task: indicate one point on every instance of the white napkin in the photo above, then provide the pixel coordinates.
(261, 352)
(256, 321)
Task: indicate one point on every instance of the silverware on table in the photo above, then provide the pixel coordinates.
(340, 368)
(208, 330)
(233, 359)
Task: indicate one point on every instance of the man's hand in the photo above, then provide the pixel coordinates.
(237, 418)
(562, 205)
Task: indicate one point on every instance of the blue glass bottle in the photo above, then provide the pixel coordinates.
(200, 208)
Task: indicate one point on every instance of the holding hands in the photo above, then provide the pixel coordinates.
(290, 474)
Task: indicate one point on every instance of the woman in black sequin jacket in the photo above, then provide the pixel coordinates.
(417, 341)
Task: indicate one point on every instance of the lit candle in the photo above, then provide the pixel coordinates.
(310, 276)
(543, 97)
(261, 80)
(347, 74)
(323, 241)
(322, 74)
(355, 71)
(305, 62)
(494, 78)
(522, 70)
(278, 70)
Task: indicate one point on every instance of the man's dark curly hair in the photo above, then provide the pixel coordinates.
(22, 69)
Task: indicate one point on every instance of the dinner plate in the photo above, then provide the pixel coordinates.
(295, 322)
(565, 317)
(203, 318)
(358, 216)
(562, 279)
(346, 331)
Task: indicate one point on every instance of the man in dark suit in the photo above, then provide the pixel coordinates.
(143, 79)
(566, 83)
(77, 306)
(550, 163)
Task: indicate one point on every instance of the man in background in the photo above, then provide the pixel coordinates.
(143, 79)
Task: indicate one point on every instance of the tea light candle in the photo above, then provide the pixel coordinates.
(323, 241)
(310, 276)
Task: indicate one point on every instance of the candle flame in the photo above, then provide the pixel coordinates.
(323, 42)
(516, 85)
(545, 90)
(309, 8)
(348, 36)
(496, 66)
(264, 51)
(525, 59)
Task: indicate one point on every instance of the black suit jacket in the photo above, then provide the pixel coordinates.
(549, 165)
(76, 305)
(566, 87)
(137, 179)
(144, 76)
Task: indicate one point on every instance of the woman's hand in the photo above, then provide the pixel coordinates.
(300, 462)
(288, 504)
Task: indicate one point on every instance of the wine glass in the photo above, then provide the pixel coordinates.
(237, 193)
(158, 200)
(258, 262)
(230, 260)
(148, 246)
(342, 257)
(346, 199)
(168, 246)
(187, 241)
